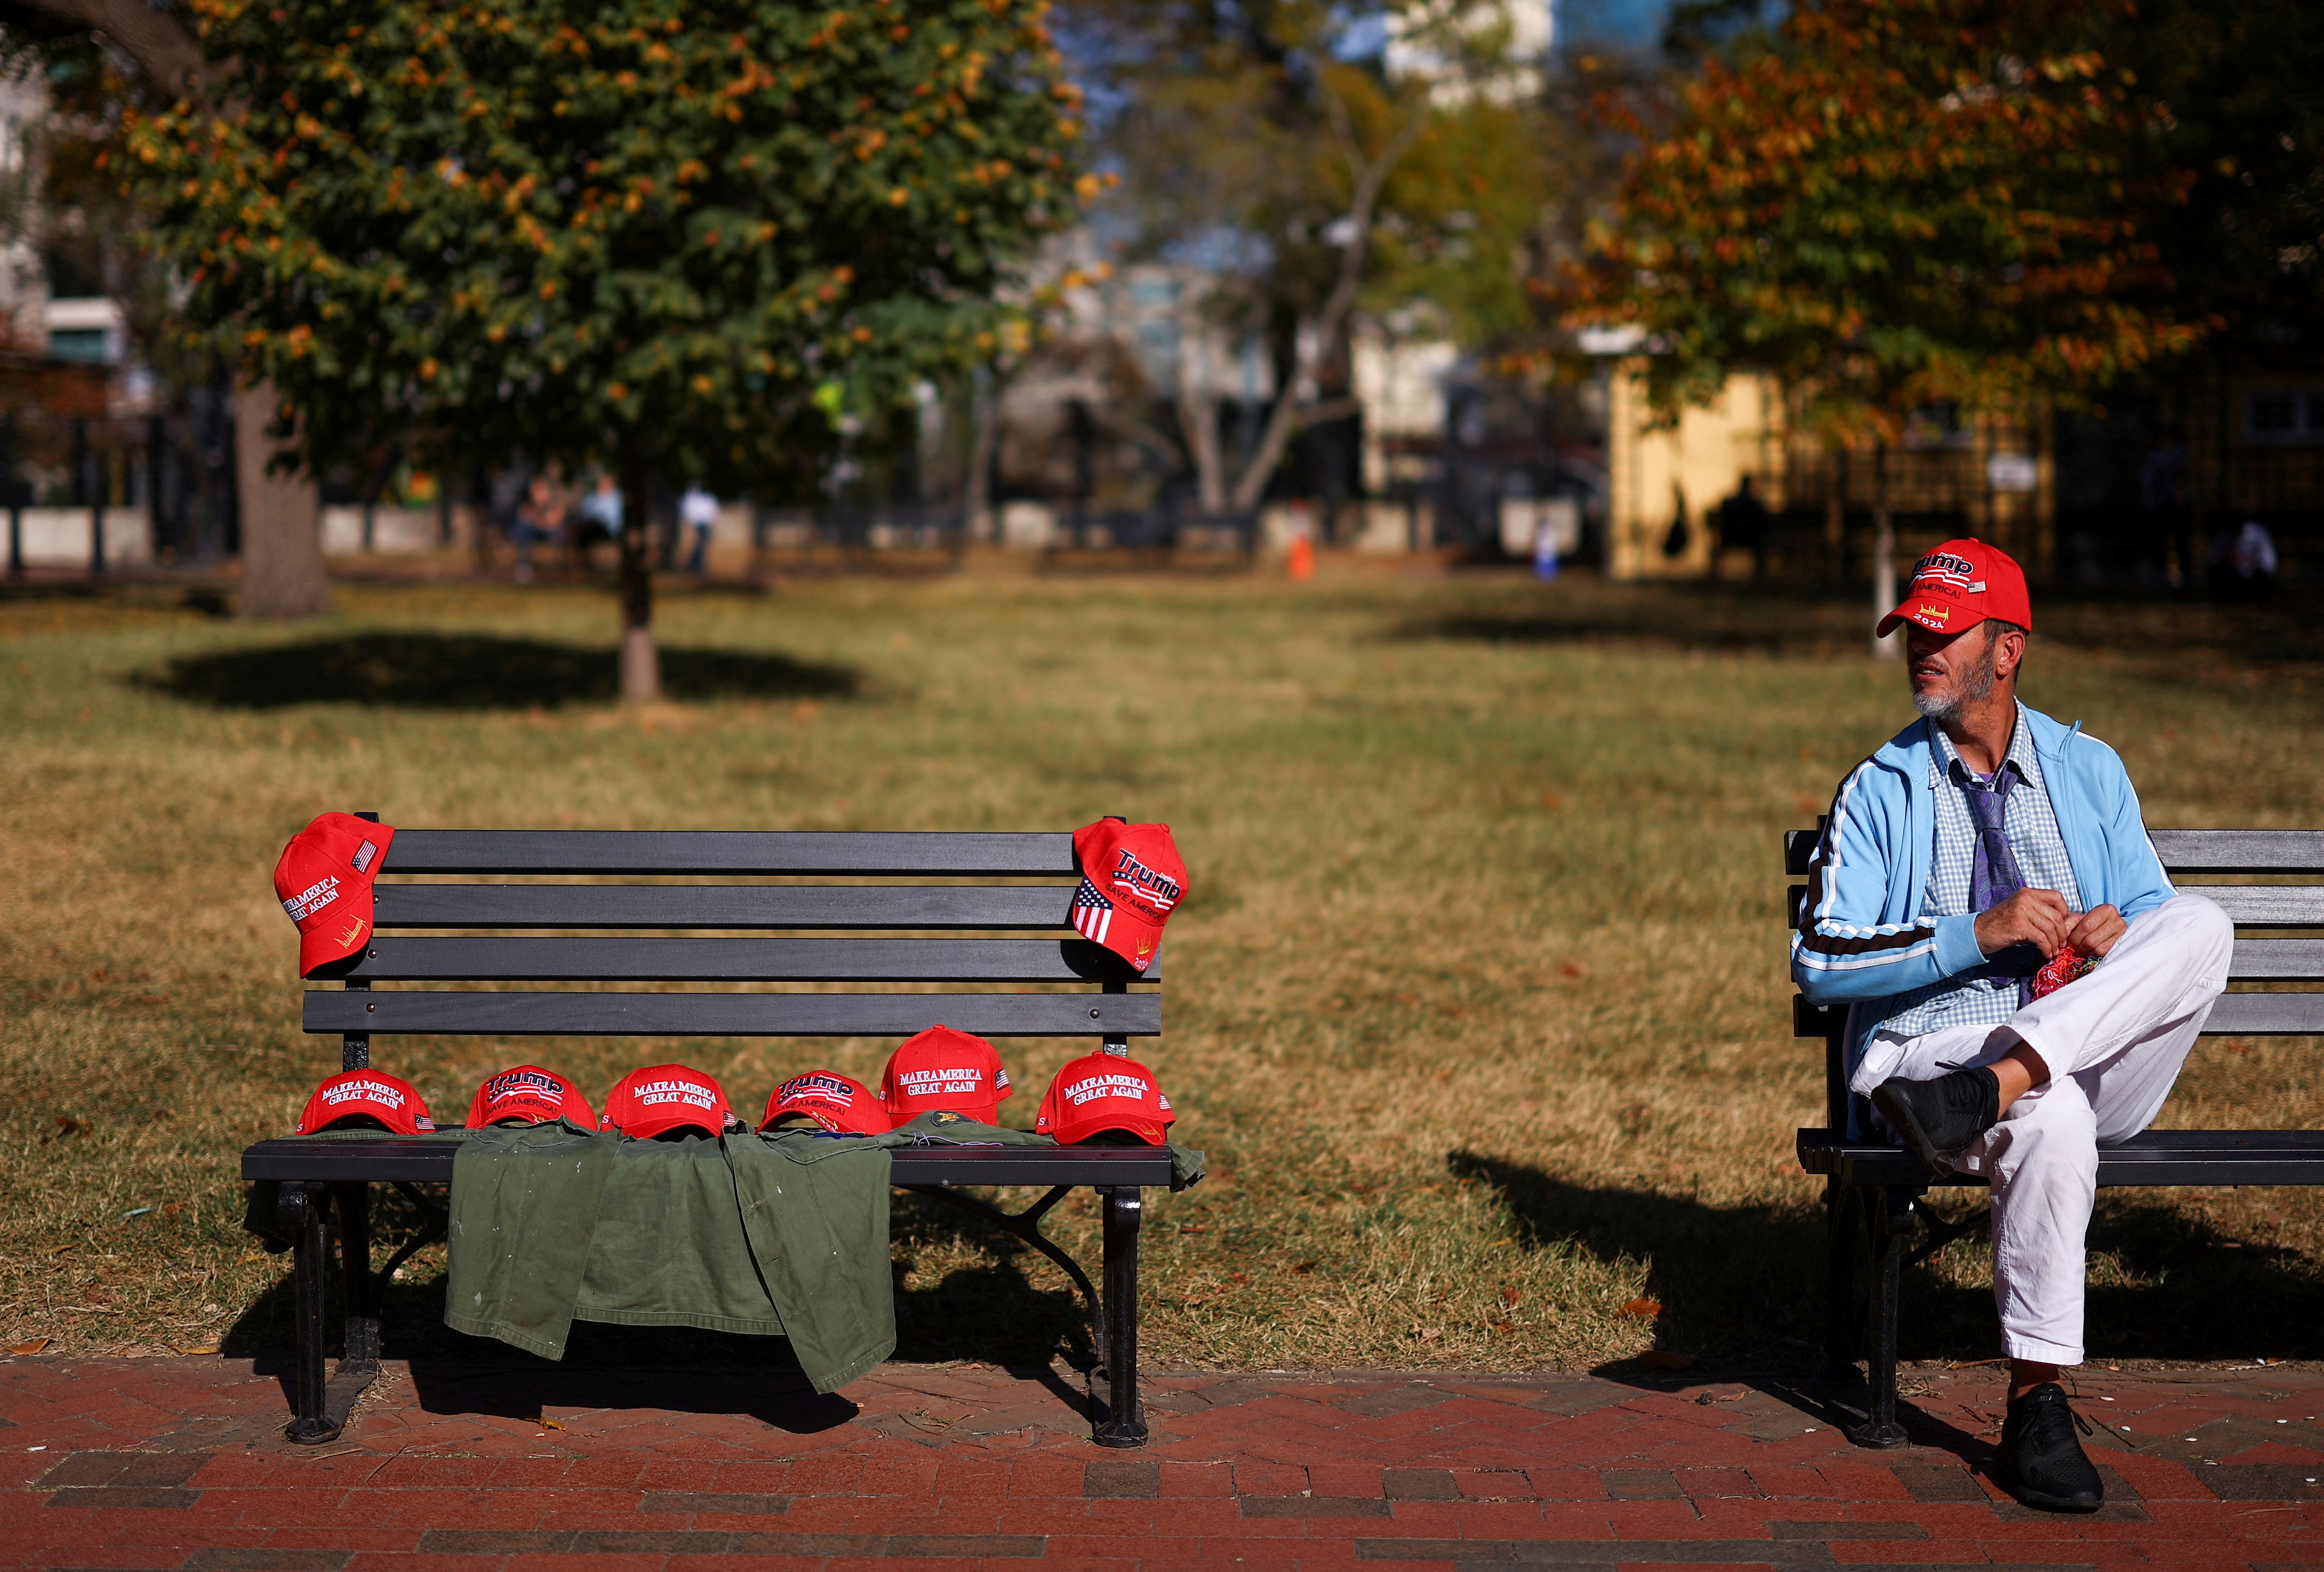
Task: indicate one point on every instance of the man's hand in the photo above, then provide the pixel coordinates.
(2034, 917)
(2095, 931)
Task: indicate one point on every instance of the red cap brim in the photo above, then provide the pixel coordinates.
(1950, 617)
(346, 932)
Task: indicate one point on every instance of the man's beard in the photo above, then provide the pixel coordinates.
(1973, 687)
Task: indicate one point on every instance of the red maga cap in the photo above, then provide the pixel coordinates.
(831, 1100)
(1960, 585)
(324, 880)
(373, 1096)
(1103, 1092)
(529, 1095)
(944, 1068)
(1132, 881)
(666, 1097)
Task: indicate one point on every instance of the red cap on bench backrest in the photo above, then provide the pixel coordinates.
(324, 881)
(666, 1097)
(831, 1100)
(529, 1093)
(944, 1068)
(374, 1096)
(1132, 881)
(1103, 1092)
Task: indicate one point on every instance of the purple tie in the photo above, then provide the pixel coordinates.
(1993, 876)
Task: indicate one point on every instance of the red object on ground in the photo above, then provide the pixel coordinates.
(831, 1100)
(2062, 968)
(663, 1098)
(1102, 1091)
(1960, 585)
(944, 1068)
(530, 1094)
(1132, 881)
(324, 880)
(391, 1102)
(1301, 562)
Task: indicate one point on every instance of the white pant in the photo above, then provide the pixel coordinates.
(2112, 1042)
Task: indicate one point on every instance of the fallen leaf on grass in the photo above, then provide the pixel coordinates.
(1643, 1309)
(193, 1348)
(1665, 1359)
(1424, 1334)
(1509, 1295)
(59, 1249)
(30, 1345)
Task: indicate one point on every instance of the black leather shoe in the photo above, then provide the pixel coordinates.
(2039, 1459)
(1938, 1119)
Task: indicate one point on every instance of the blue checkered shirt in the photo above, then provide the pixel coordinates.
(1972, 998)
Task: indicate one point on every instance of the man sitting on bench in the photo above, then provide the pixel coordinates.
(1977, 845)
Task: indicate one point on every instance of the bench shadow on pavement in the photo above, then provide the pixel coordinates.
(1010, 1307)
(1741, 1288)
(413, 670)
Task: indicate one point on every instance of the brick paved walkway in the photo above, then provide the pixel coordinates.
(177, 1464)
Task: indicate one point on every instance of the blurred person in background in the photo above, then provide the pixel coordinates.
(538, 519)
(698, 511)
(597, 518)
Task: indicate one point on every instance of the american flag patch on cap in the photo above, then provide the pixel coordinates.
(1093, 912)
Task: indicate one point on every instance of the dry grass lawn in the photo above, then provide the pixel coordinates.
(1478, 1005)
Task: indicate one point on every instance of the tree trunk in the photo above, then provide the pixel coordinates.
(641, 663)
(1198, 404)
(1884, 556)
(281, 534)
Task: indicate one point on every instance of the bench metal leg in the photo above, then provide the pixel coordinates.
(1843, 1317)
(1891, 1226)
(301, 1212)
(1124, 1424)
(355, 1266)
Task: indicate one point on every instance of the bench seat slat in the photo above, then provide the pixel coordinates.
(2240, 851)
(2154, 1157)
(745, 906)
(597, 851)
(392, 1158)
(748, 960)
(595, 1014)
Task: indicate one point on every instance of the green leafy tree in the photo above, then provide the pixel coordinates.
(668, 239)
(1901, 203)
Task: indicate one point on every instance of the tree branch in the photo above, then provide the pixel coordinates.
(151, 38)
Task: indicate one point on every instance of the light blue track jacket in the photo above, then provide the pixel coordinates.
(1861, 940)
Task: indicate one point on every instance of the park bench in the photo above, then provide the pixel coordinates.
(994, 925)
(1873, 1191)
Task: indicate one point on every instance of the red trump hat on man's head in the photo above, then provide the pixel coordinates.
(664, 1097)
(324, 881)
(944, 1068)
(1960, 585)
(1132, 881)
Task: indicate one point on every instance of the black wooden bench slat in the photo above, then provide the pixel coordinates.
(2266, 905)
(496, 959)
(2277, 960)
(657, 851)
(728, 906)
(606, 1014)
(391, 1158)
(2240, 851)
(2266, 1016)
(2196, 1157)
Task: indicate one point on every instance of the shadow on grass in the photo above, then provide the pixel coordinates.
(428, 670)
(1737, 618)
(1748, 1282)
